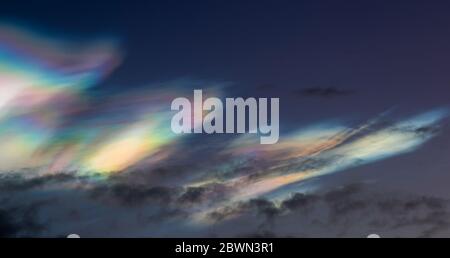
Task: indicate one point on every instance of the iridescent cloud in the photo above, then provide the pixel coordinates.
(317, 151)
(49, 122)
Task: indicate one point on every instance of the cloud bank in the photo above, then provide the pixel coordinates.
(76, 161)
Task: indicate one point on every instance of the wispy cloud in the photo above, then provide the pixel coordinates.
(92, 153)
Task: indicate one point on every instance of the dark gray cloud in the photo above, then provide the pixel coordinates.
(203, 194)
(123, 207)
(350, 211)
(131, 195)
(20, 221)
(323, 92)
(10, 182)
(8, 227)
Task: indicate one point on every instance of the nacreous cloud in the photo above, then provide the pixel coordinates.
(67, 152)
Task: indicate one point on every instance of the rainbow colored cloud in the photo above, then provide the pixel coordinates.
(50, 122)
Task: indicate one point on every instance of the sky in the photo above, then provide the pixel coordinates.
(86, 144)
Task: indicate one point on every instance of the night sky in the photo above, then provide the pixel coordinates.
(85, 139)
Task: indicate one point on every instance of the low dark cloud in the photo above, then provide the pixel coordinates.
(323, 92)
(132, 195)
(8, 227)
(350, 211)
(20, 221)
(10, 182)
(130, 208)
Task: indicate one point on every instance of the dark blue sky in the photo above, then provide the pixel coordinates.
(291, 44)
(387, 54)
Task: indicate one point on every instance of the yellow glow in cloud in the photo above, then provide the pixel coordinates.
(15, 149)
(268, 184)
(124, 150)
